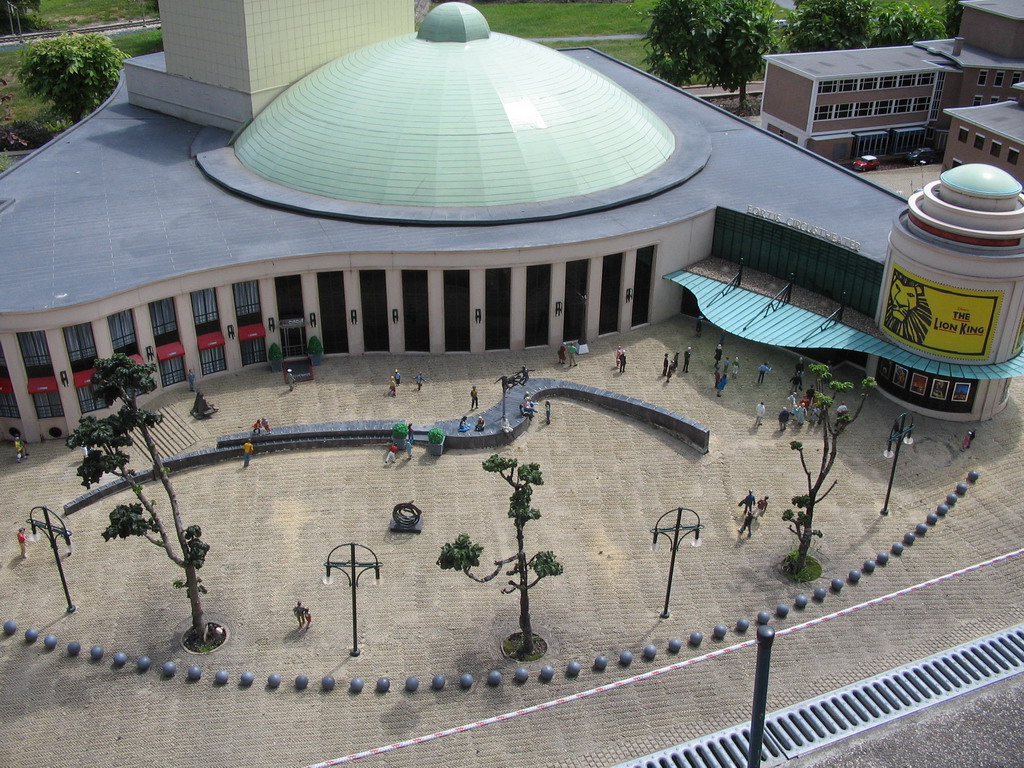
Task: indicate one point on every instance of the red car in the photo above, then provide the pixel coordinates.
(866, 163)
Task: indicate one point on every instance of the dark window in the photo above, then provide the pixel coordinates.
(254, 351)
(9, 406)
(642, 285)
(611, 287)
(977, 101)
(48, 405)
(538, 304)
(204, 307)
(81, 347)
(982, 76)
(1012, 155)
(289, 297)
(35, 354)
(122, 333)
(333, 316)
(248, 310)
(212, 360)
(456, 310)
(497, 304)
(416, 310)
(165, 324)
(88, 401)
(172, 371)
(995, 149)
(373, 291)
(997, 81)
(962, 134)
(574, 300)
(1015, 79)
(979, 141)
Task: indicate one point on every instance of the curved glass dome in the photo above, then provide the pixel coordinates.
(457, 116)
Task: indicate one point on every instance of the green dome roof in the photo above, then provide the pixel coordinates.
(454, 23)
(491, 121)
(981, 180)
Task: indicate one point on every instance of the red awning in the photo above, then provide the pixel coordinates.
(210, 340)
(247, 332)
(170, 351)
(42, 384)
(84, 378)
(137, 358)
(6, 388)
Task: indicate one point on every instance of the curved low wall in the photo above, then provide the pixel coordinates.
(378, 432)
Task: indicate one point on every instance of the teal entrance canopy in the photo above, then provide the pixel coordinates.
(767, 320)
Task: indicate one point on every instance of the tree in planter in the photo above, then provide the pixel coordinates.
(74, 72)
(832, 425)
(314, 347)
(463, 554)
(121, 379)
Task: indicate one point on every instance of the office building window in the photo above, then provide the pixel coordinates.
(977, 101)
(979, 141)
(34, 350)
(161, 313)
(993, 99)
(172, 371)
(253, 351)
(81, 347)
(212, 360)
(997, 81)
(9, 406)
(962, 134)
(204, 307)
(247, 303)
(122, 333)
(982, 76)
(88, 401)
(1011, 155)
(48, 405)
(995, 149)
(1015, 79)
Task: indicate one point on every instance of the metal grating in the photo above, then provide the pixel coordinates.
(814, 723)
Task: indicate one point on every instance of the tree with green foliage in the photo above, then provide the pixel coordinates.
(954, 14)
(463, 554)
(121, 379)
(901, 23)
(720, 41)
(19, 16)
(832, 424)
(74, 72)
(827, 25)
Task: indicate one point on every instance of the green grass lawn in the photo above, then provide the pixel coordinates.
(568, 19)
(630, 51)
(61, 14)
(26, 107)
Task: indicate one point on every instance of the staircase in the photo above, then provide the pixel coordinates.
(172, 436)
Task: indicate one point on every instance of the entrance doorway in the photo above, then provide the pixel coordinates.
(293, 341)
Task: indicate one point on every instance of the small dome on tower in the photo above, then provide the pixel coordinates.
(454, 23)
(980, 180)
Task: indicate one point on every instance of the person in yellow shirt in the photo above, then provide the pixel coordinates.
(247, 451)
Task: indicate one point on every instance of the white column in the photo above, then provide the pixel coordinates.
(595, 272)
(517, 309)
(396, 331)
(628, 275)
(556, 333)
(354, 303)
(435, 307)
(477, 294)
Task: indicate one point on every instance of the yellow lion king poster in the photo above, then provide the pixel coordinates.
(940, 319)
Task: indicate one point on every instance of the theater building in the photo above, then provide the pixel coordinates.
(294, 169)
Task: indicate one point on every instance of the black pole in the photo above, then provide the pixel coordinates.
(899, 432)
(892, 476)
(355, 582)
(765, 638)
(51, 535)
(672, 564)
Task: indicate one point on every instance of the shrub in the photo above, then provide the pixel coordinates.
(275, 353)
(436, 435)
(400, 431)
(314, 346)
(23, 134)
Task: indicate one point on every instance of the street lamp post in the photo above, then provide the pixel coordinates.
(353, 570)
(53, 531)
(675, 533)
(900, 433)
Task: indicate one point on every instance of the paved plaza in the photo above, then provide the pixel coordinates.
(607, 480)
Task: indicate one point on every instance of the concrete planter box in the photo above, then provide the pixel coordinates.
(435, 449)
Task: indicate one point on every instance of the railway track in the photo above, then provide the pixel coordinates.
(106, 29)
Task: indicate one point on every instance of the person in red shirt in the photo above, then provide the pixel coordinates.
(22, 543)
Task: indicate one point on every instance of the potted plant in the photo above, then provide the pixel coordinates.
(399, 432)
(435, 441)
(315, 350)
(275, 355)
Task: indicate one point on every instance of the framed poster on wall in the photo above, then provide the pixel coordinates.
(940, 389)
(961, 391)
(918, 384)
(899, 376)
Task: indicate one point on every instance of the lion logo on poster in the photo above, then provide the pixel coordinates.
(907, 313)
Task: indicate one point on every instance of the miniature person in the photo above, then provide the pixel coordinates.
(699, 327)
(464, 424)
(291, 381)
(391, 454)
(759, 412)
(718, 355)
(419, 381)
(19, 449)
(672, 368)
(721, 385)
(968, 439)
(783, 419)
(622, 361)
(735, 367)
(265, 424)
(408, 446)
(762, 369)
(762, 506)
(480, 425)
(398, 378)
(257, 427)
(247, 451)
(393, 387)
(573, 351)
(664, 365)
(686, 359)
(843, 408)
(748, 501)
(23, 543)
(547, 411)
(561, 354)
(191, 380)
(474, 401)
(300, 614)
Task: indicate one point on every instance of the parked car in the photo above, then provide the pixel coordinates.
(866, 163)
(922, 156)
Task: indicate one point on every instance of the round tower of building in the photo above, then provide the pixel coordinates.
(954, 294)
